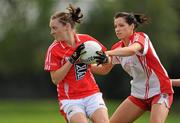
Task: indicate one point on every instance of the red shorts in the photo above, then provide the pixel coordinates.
(146, 104)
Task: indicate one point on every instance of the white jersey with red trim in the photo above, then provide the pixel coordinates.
(149, 76)
(79, 81)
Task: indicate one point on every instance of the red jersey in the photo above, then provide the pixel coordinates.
(79, 81)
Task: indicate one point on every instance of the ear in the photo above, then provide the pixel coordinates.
(133, 26)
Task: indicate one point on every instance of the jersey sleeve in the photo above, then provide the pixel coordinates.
(52, 61)
(143, 40)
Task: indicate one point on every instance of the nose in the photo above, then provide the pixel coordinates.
(117, 28)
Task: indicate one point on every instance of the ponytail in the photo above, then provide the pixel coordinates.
(131, 18)
(73, 16)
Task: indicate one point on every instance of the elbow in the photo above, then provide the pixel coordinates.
(55, 79)
(105, 72)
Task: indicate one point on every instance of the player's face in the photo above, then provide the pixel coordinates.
(122, 29)
(58, 30)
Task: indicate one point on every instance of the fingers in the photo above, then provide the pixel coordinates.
(98, 57)
(100, 53)
(82, 53)
(81, 47)
(98, 62)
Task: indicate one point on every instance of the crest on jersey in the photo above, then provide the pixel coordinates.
(80, 70)
(136, 37)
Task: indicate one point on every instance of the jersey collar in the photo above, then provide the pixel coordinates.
(130, 39)
(65, 46)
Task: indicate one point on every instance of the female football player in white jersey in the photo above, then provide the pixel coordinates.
(78, 93)
(151, 88)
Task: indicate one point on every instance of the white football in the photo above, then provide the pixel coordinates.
(90, 47)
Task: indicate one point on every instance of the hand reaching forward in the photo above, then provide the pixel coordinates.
(102, 58)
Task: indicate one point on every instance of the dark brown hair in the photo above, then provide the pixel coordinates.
(131, 18)
(73, 16)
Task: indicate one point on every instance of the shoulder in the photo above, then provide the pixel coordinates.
(85, 37)
(118, 44)
(53, 47)
(138, 35)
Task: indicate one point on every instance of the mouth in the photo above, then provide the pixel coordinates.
(118, 33)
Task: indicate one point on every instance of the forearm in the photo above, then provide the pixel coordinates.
(60, 74)
(101, 69)
(175, 82)
(126, 51)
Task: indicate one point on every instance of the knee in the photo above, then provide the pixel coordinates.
(101, 120)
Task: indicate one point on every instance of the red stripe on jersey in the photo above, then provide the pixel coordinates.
(48, 56)
(147, 71)
(155, 64)
(152, 62)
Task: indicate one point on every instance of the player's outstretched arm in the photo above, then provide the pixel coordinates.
(176, 82)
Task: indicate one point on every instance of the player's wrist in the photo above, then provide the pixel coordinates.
(71, 60)
(108, 59)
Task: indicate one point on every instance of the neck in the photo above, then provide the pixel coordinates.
(70, 40)
(126, 42)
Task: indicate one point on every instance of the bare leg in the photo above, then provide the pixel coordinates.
(127, 112)
(100, 116)
(159, 113)
(78, 118)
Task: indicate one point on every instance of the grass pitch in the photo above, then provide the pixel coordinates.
(46, 111)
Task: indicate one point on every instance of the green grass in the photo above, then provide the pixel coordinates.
(30, 112)
(46, 111)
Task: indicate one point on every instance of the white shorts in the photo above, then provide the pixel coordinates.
(87, 105)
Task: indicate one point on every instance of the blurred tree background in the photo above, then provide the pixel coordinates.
(25, 37)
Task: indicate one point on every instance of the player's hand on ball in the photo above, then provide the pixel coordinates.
(102, 58)
(77, 53)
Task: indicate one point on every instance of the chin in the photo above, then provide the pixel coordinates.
(119, 37)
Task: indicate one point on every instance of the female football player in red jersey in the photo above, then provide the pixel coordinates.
(151, 88)
(78, 94)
